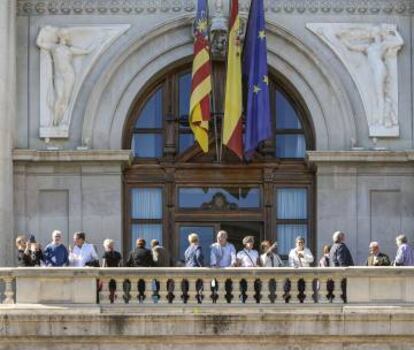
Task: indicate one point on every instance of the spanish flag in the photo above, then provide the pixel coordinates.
(233, 105)
(199, 115)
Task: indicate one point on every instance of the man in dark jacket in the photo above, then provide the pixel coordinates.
(140, 257)
(339, 255)
(376, 258)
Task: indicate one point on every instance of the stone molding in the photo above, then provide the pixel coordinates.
(136, 7)
(27, 155)
(360, 156)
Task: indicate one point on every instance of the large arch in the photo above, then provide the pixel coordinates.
(117, 83)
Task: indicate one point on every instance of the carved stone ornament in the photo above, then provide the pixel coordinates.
(369, 52)
(219, 202)
(66, 56)
(136, 7)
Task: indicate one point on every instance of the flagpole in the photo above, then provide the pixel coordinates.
(213, 107)
(225, 69)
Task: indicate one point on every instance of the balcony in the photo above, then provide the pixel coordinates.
(182, 308)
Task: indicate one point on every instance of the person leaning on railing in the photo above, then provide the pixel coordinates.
(82, 254)
(324, 261)
(405, 253)
(300, 256)
(140, 256)
(193, 255)
(222, 253)
(160, 255)
(376, 257)
(55, 253)
(248, 257)
(339, 255)
(24, 257)
(110, 257)
(269, 257)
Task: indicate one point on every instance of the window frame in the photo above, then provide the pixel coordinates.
(176, 169)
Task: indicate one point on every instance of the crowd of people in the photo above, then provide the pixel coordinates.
(222, 253)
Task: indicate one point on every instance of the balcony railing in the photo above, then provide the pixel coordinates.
(156, 287)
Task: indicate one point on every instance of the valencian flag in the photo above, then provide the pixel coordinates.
(258, 122)
(233, 105)
(201, 79)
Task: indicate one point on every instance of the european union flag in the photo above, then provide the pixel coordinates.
(257, 110)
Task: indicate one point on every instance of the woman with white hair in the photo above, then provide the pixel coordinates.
(405, 254)
(194, 255)
(110, 258)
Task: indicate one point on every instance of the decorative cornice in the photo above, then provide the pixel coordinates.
(137, 7)
(366, 156)
(28, 155)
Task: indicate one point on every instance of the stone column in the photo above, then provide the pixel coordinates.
(7, 117)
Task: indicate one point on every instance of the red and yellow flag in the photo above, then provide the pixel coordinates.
(233, 105)
(201, 79)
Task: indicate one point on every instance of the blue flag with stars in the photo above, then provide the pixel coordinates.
(257, 109)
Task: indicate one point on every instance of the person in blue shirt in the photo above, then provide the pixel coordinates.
(193, 255)
(55, 253)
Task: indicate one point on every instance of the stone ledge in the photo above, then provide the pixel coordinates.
(348, 321)
(360, 156)
(27, 155)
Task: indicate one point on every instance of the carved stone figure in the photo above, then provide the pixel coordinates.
(66, 56)
(57, 42)
(369, 51)
(380, 44)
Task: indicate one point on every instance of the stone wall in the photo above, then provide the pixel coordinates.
(331, 328)
(354, 197)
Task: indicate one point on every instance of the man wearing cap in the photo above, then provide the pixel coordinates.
(248, 257)
(55, 253)
(222, 253)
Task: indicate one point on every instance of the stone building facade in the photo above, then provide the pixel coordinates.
(74, 72)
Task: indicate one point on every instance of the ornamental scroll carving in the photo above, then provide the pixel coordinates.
(66, 56)
(369, 52)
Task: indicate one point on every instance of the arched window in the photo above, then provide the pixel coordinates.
(173, 189)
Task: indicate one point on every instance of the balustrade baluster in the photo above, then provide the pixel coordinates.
(323, 290)
(308, 290)
(250, 292)
(134, 292)
(8, 292)
(294, 290)
(104, 292)
(149, 290)
(265, 292)
(221, 291)
(163, 290)
(119, 292)
(192, 291)
(280, 290)
(337, 290)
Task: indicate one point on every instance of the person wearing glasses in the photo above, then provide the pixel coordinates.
(300, 256)
(55, 253)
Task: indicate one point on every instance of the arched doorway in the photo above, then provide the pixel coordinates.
(172, 188)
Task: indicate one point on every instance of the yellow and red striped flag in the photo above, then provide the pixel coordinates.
(233, 105)
(201, 79)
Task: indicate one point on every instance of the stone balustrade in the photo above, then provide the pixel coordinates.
(204, 286)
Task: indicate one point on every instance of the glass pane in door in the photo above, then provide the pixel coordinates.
(206, 236)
